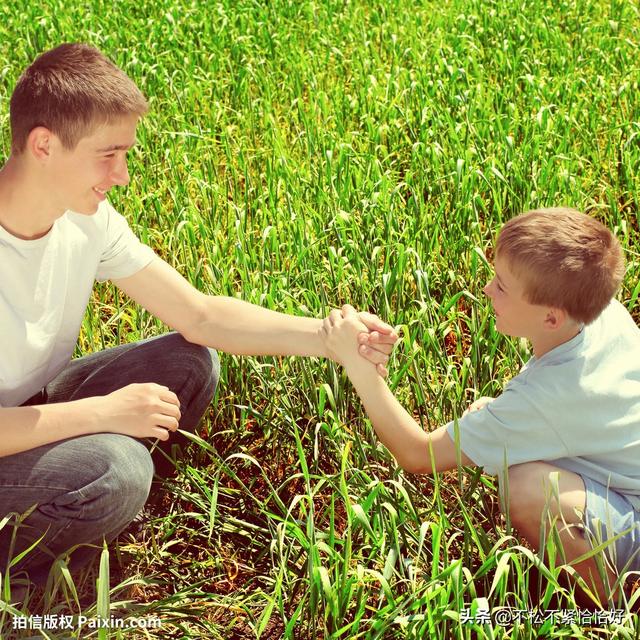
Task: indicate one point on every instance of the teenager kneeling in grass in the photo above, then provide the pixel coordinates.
(571, 414)
(70, 429)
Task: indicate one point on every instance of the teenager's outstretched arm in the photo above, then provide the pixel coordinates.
(235, 326)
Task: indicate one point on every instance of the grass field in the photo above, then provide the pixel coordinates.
(303, 154)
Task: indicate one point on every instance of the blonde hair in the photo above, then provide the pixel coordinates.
(70, 90)
(565, 259)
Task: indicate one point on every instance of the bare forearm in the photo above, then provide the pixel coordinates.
(239, 327)
(24, 428)
(397, 430)
(413, 448)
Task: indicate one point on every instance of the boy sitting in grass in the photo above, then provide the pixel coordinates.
(565, 432)
(71, 431)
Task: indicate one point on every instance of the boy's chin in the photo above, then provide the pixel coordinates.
(509, 333)
(502, 330)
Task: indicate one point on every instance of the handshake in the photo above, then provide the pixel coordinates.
(351, 338)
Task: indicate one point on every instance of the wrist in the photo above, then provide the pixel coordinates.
(357, 367)
(90, 412)
(320, 347)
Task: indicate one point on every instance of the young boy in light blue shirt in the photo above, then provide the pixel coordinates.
(573, 410)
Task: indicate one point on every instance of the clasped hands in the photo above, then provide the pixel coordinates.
(350, 336)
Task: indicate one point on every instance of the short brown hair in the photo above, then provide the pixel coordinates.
(70, 90)
(565, 259)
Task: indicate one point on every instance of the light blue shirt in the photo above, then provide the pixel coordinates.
(577, 407)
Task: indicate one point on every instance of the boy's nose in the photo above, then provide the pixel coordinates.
(487, 288)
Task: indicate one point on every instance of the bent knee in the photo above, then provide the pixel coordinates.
(113, 480)
(213, 369)
(534, 487)
(525, 489)
(522, 476)
(203, 362)
(125, 473)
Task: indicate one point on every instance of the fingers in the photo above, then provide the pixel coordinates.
(165, 421)
(380, 342)
(167, 395)
(348, 310)
(382, 370)
(382, 348)
(386, 348)
(168, 406)
(373, 323)
(167, 409)
(162, 434)
(379, 332)
(373, 355)
(382, 338)
(347, 314)
(478, 404)
(334, 316)
(344, 324)
(171, 410)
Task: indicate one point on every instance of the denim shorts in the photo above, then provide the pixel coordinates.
(608, 514)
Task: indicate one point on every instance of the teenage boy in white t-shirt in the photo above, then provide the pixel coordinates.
(70, 430)
(573, 410)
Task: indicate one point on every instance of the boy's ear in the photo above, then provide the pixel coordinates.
(555, 318)
(39, 142)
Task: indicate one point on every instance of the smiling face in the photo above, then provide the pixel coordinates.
(81, 177)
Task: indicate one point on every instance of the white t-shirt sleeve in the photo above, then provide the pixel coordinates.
(510, 429)
(123, 254)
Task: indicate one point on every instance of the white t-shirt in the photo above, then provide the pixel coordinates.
(577, 407)
(45, 286)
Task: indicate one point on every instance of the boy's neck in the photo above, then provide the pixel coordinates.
(25, 210)
(548, 341)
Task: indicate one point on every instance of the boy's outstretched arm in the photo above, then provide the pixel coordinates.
(397, 430)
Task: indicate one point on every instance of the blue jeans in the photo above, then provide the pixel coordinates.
(90, 488)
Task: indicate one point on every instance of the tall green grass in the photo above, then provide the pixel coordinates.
(300, 155)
